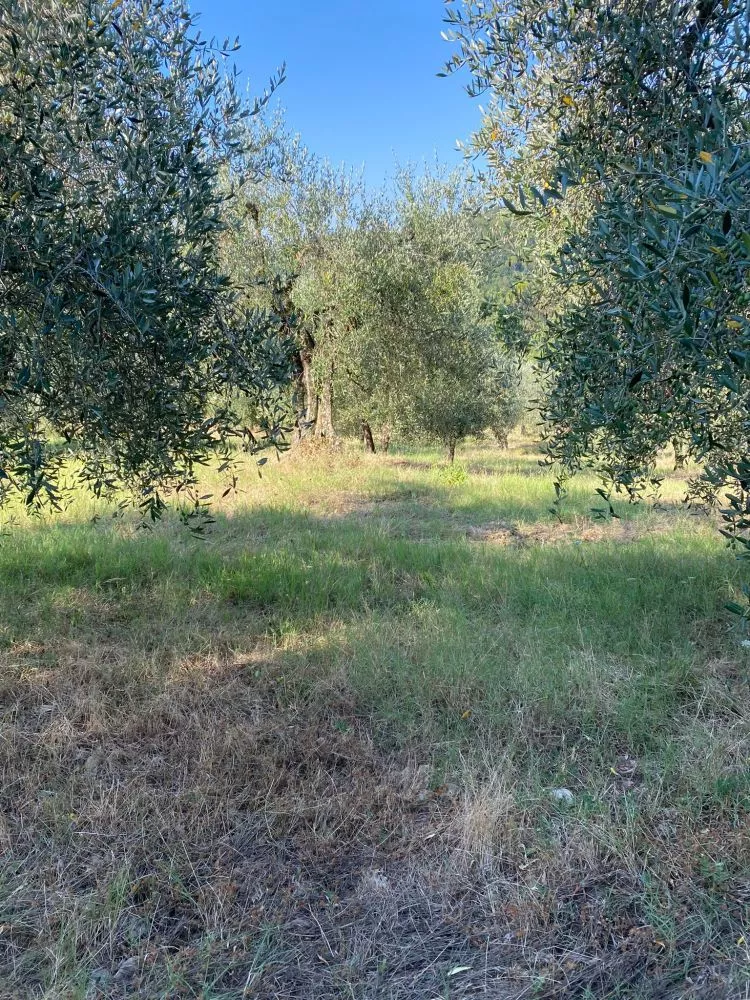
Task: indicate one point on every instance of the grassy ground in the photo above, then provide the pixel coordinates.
(313, 755)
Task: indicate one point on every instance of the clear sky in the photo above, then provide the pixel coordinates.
(361, 82)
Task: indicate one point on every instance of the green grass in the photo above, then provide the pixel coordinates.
(435, 618)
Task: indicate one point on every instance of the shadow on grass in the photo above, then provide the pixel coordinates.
(420, 631)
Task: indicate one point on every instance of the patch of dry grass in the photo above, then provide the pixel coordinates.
(200, 839)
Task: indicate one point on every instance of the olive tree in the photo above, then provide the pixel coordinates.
(117, 322)
(627, 126)
(421, 355)
(394, 317)
(289, 247)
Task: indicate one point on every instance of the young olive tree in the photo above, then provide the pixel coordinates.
(631, 122)
(117, 322)
(422, 354)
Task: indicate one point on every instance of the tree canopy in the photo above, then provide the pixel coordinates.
(626, 127)
(117, 322)
(395, 300)
(179, 276)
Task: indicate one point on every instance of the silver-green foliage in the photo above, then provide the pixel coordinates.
(422, 356)
(639, 110)
(394, 314)
(117, 322)
(289, 247)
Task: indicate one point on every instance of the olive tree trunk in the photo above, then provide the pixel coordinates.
(367, 437)
(307, 416)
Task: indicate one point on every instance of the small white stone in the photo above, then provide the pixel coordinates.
(562, 795)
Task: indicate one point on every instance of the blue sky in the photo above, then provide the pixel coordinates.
(361, 82)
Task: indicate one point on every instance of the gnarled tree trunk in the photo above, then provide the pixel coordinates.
(680, 454)
(367, 437)
(307, 396)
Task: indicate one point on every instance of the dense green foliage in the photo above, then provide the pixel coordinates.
(116, 320)
(395, 302)
(640, 112)
(423, 353)
(135, 183)
(290, 246)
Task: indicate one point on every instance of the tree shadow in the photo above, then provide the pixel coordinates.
(388, 556)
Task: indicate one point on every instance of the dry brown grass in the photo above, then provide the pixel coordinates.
(190, 836)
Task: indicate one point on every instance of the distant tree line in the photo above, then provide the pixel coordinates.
(398, 303)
